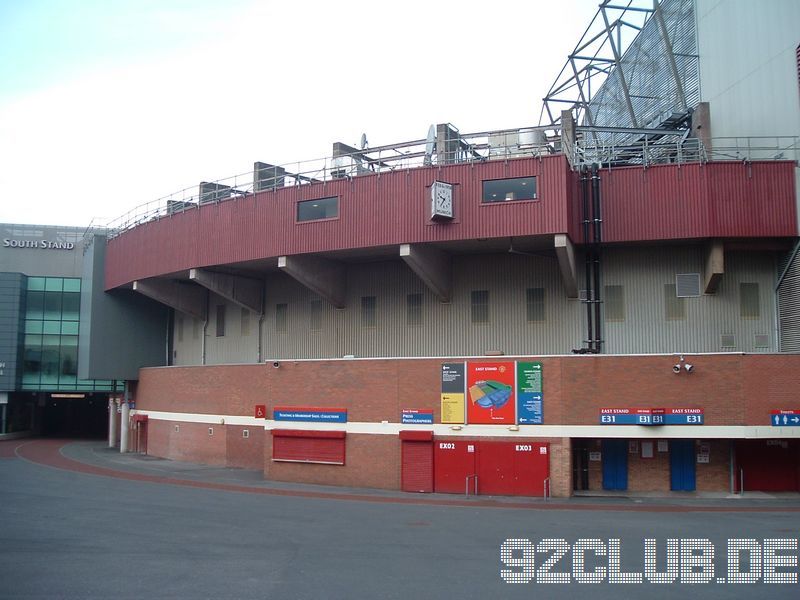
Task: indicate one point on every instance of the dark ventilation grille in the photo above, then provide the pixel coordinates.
(687, 285)
(727, 340)
(761, 340)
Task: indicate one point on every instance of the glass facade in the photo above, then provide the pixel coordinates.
(52, 319)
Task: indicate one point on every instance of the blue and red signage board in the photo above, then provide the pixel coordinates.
(413, 416)
(310, 414)
(652, 416)
(785, 418)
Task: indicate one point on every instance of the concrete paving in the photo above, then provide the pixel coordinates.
(80, 521)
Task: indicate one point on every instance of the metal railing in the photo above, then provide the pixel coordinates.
(466, 484)
(546, 490)
(657, 147)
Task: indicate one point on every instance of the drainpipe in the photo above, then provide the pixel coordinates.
(598, 238)
(588, 265)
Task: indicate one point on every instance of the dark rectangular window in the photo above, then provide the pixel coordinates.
(368, 317)
(506, 190)
(220, 320)
(674, 307)
(480, 306)
(534, 300)
(315, 308)
(614, 303)
(281, 318)
(750, 307)
(245, 322)
(414, 309)
(321, 208)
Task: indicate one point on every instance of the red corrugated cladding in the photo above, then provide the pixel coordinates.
(694, 201)
(374, 210)
(719, 200)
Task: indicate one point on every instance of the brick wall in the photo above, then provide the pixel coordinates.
(732, 389)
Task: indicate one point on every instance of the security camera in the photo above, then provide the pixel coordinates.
(676, 369)
(276, 364)
(689, 368)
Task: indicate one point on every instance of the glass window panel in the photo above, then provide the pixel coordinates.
(534, 299)
(281, 318)
(34, 308)
(72, 285)
(71, 306)
(368, 311)
(322, 208)
(52, 305)
(53, 284)
(220, 320)
(52, 327)
(67, 381)
(506, 190)
(69, 361)
(480, 306)
(614, 303)
(414, 309)
(33, 327)
(36, 283)
(750, 307)
(70, 327)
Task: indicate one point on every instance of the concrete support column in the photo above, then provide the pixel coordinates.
(124, 427)
(112, 423)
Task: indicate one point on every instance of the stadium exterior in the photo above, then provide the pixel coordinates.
(607, 301)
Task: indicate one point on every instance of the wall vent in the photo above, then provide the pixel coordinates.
(687, 285)
(210, 431)
(245, 433)
(761, 340)
(728, 340)
(177, 428)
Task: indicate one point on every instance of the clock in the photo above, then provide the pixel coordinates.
(441, 200)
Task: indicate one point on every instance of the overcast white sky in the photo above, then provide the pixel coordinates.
(108, 105)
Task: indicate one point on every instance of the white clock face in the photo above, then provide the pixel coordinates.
(442, 199)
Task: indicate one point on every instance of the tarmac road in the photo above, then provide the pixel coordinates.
(126, 527)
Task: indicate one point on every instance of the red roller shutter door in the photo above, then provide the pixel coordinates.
(291, 445)
(417, 467)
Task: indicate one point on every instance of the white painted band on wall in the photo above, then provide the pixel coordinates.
(542, 431)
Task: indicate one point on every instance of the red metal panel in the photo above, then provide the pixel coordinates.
(769, 465)
(513, 468)
(374, 210)
(416, 435)
(318, 449)
(496, 468)
(719, 199)
(417, 466)
(453, 463)
(664, 202)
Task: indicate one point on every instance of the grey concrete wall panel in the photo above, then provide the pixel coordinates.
(12, 326)
(120, 332)
(645, 328)
(446, 329)
(41, 250)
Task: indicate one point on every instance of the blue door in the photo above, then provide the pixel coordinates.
(615, 464)
(681, 465)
